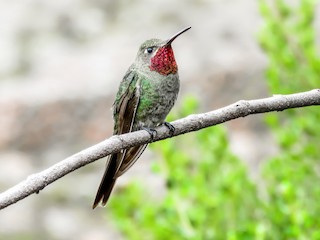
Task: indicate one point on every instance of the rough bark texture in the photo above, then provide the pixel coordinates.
(38, 181)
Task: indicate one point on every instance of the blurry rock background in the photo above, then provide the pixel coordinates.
(60, 66)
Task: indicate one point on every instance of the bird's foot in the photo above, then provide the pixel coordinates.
(170, 127)
(151, 131)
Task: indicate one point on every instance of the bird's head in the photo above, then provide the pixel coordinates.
(157, 55)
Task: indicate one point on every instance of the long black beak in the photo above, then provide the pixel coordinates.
(170, 40)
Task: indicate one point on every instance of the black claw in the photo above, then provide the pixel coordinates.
(170, 127)
(151, 131)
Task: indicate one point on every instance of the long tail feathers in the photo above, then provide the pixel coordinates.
(117, 165)
(107, 182)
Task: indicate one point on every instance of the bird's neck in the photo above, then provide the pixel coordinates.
(164, 62)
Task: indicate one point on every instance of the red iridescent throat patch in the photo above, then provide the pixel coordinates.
(163, 62)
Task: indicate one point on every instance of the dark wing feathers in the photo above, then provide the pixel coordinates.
(130, 157)
(125, 108)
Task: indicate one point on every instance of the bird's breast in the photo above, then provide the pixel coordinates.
(157, 98)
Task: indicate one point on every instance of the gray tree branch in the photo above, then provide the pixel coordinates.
(38, 181)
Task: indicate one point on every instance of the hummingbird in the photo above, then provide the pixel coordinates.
(146, 95)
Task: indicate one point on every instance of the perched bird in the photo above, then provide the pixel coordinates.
(146, 95)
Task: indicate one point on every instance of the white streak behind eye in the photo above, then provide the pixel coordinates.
(146, 51)
(155, 50)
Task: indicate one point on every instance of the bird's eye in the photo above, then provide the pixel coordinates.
(149, 50)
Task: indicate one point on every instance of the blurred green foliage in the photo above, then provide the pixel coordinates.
(288, 38)
(207, 193)
(204, 196)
